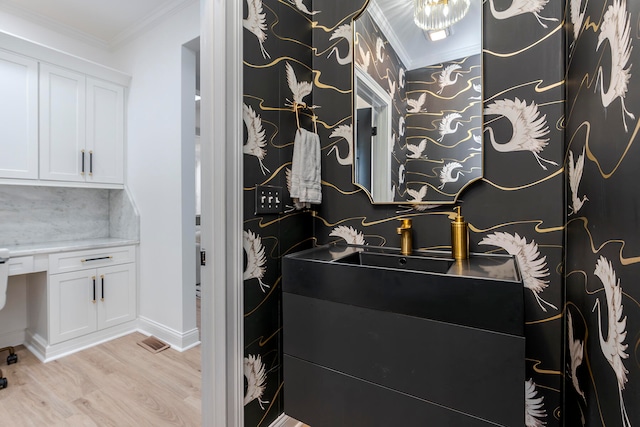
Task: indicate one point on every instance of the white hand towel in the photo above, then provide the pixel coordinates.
(305, 168)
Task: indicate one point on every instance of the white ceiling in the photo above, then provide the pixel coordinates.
(395, 18)
(101, 22)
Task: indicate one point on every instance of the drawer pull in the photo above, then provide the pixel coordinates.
(102, 279)
(96, 259)
(82, 171)
(90, 162)
(94, 289)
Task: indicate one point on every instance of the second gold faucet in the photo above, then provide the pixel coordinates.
(406, 241)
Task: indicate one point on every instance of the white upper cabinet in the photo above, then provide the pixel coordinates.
(81, 128)
(18, 116)
(105, 131)
(62, 124)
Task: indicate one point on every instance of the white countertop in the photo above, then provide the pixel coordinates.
(65, 246)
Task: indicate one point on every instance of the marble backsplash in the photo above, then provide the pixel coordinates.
(48, 214)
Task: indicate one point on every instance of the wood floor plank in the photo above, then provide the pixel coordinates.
(117, 383)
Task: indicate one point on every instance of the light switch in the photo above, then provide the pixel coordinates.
(268, 199)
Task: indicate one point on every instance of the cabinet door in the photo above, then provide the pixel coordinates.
(18, 117)
(62, 124)
(105, 132)
(72, 308)
(116, 287)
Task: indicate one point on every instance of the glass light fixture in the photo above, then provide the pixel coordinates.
(438, 14)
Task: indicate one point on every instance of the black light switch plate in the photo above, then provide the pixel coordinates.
(268, 199)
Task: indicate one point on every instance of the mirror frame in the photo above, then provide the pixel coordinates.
(356, 69)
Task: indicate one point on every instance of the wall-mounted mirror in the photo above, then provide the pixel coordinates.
(417, 103)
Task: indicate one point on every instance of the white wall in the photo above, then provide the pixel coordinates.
(154, 176)
(23, 28)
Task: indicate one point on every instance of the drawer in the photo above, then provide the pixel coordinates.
(80, 260)
(21, 265)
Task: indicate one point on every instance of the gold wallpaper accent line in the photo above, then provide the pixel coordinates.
(343, 192)
(275, 221)
(537, 228)
(536, 368)
(538, 88)
(276, 62)
(292, 248)
(522, 187)
(261, 340)
(271, 403)
(592, 157)
(524, 49)
(348, 18)
(268, 179)
(364, 223)
(594, 250)
(266, 297)
(319, 85)
(547, 320)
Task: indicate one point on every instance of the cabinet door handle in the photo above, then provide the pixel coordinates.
(96, 259)
(82, 171)
(102, 279)
(94, 289)
(90, 162)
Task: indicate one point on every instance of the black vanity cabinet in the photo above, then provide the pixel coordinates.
(366, 345)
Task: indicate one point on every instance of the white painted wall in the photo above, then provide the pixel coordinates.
(26, 29)
(155, 170)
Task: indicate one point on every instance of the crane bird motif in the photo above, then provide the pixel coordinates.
(532, 267)
(392, 142)
(577, 17)
(349, 234)
(616, 28)
(401, 128)
(401, 172)
(445, 77)
(298, 89)
(613, 348)
(256, 380)
(256, 258)
(256, 23)
(477, 87)
(392, 87)
(446, 127)
(418, 197)
(417, 150)
(576, 353)
(415, 105)
(302, 8)
(478, 140)
(256, 137)
(342, 32)
(366, 58)
(575, 176)
(534, 411)
(528, 128)
(346, 132)
(401, 78)
(380, 50)
(520, 7)
(446, 175)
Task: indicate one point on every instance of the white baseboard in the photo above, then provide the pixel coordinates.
(12, 339)
(285, 421)
(47, 353)
(180, 341)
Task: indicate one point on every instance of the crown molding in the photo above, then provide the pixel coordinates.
(387, 30)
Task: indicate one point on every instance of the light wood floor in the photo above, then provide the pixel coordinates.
(116, 384)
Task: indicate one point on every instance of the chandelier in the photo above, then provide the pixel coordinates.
(433, 15)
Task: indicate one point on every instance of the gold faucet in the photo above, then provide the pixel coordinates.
(405, 237)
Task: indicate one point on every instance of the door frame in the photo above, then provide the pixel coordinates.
(222, 213)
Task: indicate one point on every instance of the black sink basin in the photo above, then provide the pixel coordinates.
(427, 264)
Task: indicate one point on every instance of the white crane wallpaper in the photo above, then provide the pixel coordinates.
(560, 188)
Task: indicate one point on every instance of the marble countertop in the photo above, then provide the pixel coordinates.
(65, 246)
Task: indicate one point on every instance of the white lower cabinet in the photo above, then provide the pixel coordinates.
(84, 298)
(82, 302)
